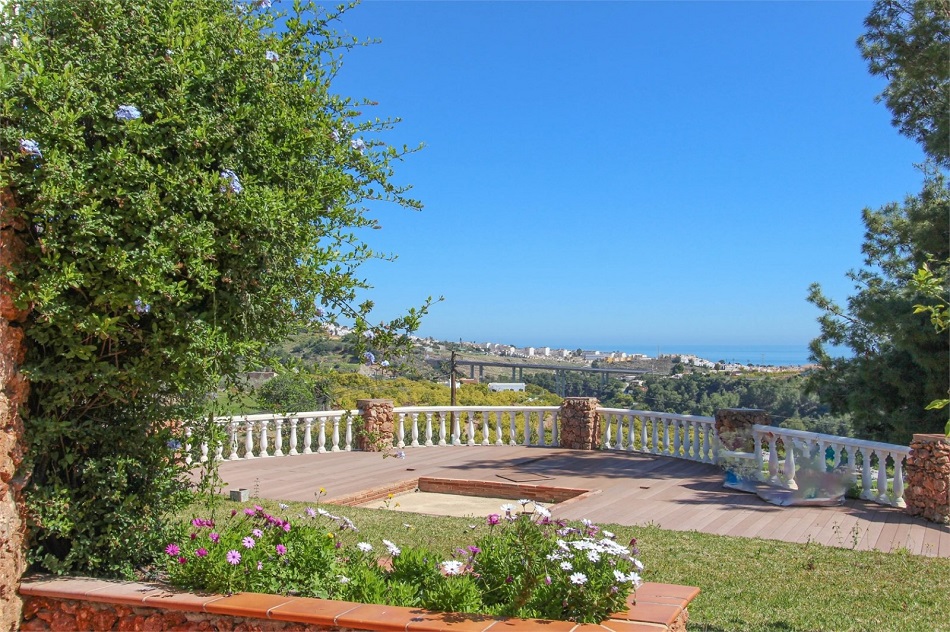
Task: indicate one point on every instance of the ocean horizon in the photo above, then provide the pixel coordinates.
(766, 355)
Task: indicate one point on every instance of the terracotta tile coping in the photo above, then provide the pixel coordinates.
(657, 607)
(466, 487)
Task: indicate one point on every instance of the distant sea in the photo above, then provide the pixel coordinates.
(775, 355)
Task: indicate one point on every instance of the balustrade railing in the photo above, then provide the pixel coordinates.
(877, 468)
(681, 436)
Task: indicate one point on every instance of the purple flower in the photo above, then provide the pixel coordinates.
(248, 542)
(369, 357)
(30, 148)
(127, 113)
(214, 537)
(281, 549)
(358, 144)
(547, 580)
(202, 552)
(257, 533)
(271, 56)
(249, 512)
(172, 549)
(260, 565)
(286, 527)
(233, 557)
(474, 550)
(182, 559)
(493, 519)
(142, 308)
(311, 512)
(233, 186)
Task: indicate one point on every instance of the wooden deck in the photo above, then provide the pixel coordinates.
(630, 489)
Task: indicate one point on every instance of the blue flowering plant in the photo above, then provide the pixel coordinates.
(187, 197)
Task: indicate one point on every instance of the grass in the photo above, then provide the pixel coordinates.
(747, 584)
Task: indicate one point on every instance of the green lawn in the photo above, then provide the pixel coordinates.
(747, 584)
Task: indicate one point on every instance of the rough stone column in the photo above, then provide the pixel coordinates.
(927, 480)
(734, 427)
(14, 390)
(579, 423)
(376, 433)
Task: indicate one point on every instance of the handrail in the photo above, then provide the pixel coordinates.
(878, 468)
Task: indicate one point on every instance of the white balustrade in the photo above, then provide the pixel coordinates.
(874, 482)
(876, 467)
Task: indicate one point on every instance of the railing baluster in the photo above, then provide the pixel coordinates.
(429, 430)
(697, 442)
(456, 429)
(249, 441)
(527, 427)
(335, 436)
(442, 428)
(607, 433)
(349, 434)
(707, 456)
(790, 464)
(898, 481)
(498, 433)
(278, 436)
(414, 430)
(263, 439)
(233, 432)
(485, 438)
(513, 428)
(882, 478)
(293, 436)
(401, 430)
(631, 434)
(676, 437)
(656, 436)
(470, 427)
(307, 435)
(866, 492)
(666, 436)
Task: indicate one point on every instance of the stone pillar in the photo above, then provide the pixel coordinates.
(14, 390)
(734, 427)
(579, 423)
(927, 478)
(375, 434)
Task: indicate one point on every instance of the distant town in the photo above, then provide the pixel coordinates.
(588, 357)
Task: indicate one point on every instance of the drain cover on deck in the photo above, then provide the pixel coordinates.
(523, 477)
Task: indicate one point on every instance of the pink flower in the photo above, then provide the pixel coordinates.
(248, 542)
(281, 549)
(286, 527)
(233, 557)
(249, 511)
(257, 533)
(493, 519)
(202, 552)
(172, 549)
(182, 559)
(214, 537)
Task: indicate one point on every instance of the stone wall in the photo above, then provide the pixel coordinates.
(14, 390)
(579, 423)
(927, 491)
(734, 427)
(375, 433)
(60, 614)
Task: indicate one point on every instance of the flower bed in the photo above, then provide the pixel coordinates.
(519, 562)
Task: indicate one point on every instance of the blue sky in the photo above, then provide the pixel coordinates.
(611, 174)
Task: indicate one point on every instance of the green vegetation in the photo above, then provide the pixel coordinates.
(518, 563)
(786, 398)
(748, 585)
(189, 189)
(900, 362)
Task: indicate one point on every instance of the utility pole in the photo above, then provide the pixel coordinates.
(452, 378)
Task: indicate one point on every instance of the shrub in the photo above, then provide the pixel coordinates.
(189, 188)
(523, 564)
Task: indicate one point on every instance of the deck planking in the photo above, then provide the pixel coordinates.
(634, 489)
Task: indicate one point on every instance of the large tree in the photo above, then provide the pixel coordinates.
(907, 42)
(900, 362)
(192, 191)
